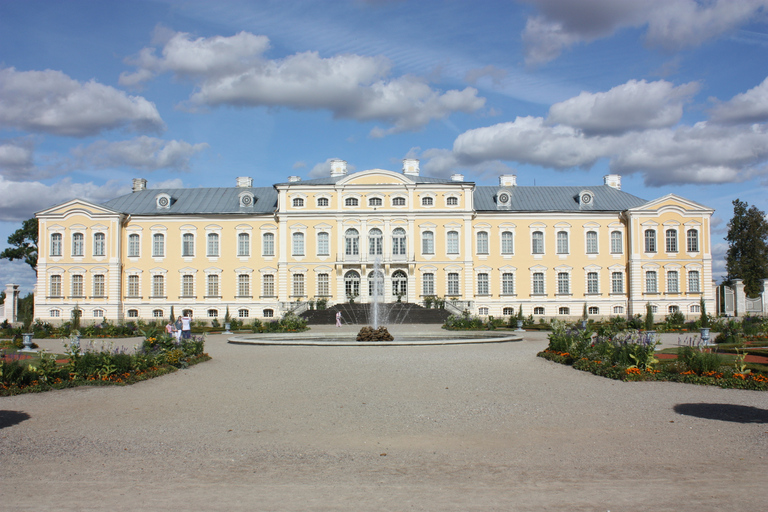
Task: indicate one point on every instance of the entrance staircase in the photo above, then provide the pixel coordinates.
(394, 314)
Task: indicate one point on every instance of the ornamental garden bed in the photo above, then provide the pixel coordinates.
(84, 364)
(631, 356)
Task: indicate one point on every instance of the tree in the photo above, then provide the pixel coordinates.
(23, 244)
(747, 238)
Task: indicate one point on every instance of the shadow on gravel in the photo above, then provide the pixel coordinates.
(11, 418)
(724, 412)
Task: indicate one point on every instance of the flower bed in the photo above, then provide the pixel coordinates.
(158, 355)
(629, 356)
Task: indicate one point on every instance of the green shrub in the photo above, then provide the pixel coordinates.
(699, 361)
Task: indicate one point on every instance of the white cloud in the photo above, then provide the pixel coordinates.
(144, 153)
(18, 272)
(233, 71)
(16, 158)
(323, 169)
(671, 24)
(635, 105)
(51, 102)
(19, 200)
(747, 107)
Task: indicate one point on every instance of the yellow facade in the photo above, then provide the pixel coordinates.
(327, 238)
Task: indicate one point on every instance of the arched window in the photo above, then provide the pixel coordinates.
(188, 245)
(593, 310)
(508, 311)
(427, 201)
(158, 245)
(158, 313)
(563, 311)
(56, 244)
(398, 201)
(591, 242)
(452, 201)
(376, 283)
(212, 245)
(538, 310)
(618, 310)
(374, 201)
(99, 244)
(243, 244)
(298, 202)
(616, 243)
(399, 283)
(268, 244)
(375, 242)
(98, 313)
(692, 240)
(482, 242)
(352, 284)
(537, 242)
(268, 313)
(213, 313)
(243, 313)
(323, 244)
(351, 242)
(351, 201)
(671, 239)
(297, 247)
(399, 247)
(673, 309)
(562, 242)
(506, 242)
(78, 243)
(323, 201)
(452, 244)
(650, 240)
(133, 313)
(428, 242)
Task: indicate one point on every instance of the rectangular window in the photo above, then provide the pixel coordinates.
(212, 247)
(591, 242)
(671, 239)
(243, 285)
(56, 244)
(212, 286)
(453, 283)
(158, 245)
(268, 244)
(537, 242)
(99, 287)
(428, 284)
(482, 284)
(563, 283)
(693, 281)
(78, 243)
(298, 285)
(323, 285)
(562, 242)
(507, 246)
(617, 282)
(188, 285)
(428, 242)
(453, 242)
(650, 240)
(673, 283)
(55, 286)
(693, 240)
(323, 244)
(651, 282)
(482, 242)
(538, 283)
(188, 245)
(158, 286)
(507, 283)
(99, 244)
(298, 244)
(133, 246)
(133, 286)
(616, 244)
(77, 286)
(243, 244)
(269, 285)
(592, 283)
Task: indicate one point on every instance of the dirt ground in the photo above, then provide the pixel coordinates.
(482, 427)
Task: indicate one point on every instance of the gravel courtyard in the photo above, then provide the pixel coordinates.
(482, 427)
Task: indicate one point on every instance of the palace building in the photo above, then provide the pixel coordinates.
(262, 251)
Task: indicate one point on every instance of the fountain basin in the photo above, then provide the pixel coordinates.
(344, 339)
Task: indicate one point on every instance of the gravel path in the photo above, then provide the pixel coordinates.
(483, 427)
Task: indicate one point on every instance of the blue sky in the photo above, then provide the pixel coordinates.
(671, 94)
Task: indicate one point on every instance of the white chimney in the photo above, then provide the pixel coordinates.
(338, 168)
(411, 166)
(612, 180)
(457, 177)
(294, 179)
(508, 180)
(139, 184)
(244, 182)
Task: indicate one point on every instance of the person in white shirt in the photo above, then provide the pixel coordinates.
(186, 326)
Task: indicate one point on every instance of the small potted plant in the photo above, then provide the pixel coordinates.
(520, 319)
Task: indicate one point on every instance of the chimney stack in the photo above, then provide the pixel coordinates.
(139, 184)
(411, 166)
(508, 180)
(612, 180)
(244, 182)
(457, 177)
(338, 168)
(294, 179)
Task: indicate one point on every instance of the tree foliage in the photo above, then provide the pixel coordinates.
(23, 244)
(747, 238)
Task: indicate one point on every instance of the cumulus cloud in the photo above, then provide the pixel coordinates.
(233, 71)
(323, 169)
(19, 200)
(747, 107)
(670, 24)
(16, 158)
(635, 105)
(143, 153)
(52, 102)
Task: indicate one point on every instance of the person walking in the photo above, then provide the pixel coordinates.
(186, 325)
(338, 319)
(177, 329)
